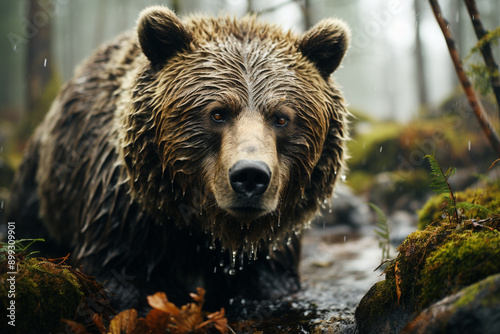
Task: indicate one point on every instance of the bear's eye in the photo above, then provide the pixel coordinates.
(219, 116)
(281, 122)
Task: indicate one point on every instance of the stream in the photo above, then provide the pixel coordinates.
(337, 269)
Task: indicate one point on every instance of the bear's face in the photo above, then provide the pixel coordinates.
(232, 118)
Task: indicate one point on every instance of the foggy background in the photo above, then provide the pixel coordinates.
(379, 75)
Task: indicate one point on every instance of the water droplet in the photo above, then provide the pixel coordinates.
(381, 148)
(468, 147)
(232, 271)
(221, 263)
(274, 248)
(231, 301)
(325, 201)
(330, 210)
(343, 177)
(289, 241)
(241, 268)
(233, 259)
(345, 238)
(215, 270)
(268, 257)
(45, 63)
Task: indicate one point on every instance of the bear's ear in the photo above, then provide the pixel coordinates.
(325, 44)
(161, 34)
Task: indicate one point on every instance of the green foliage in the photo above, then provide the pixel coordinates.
(439, 179)
(481, 77)
(19, 247)
(468, 258)
(383, 231)
(439, 182)
(471, 206)
(478, 72)
(432, 264)
(473, 203)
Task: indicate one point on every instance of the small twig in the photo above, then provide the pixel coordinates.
(486, 51)
(471, 94)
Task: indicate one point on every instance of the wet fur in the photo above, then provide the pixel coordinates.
(121, 172)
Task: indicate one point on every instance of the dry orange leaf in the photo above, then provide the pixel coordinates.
(184, 320)
(124, 323)
(158, 321)
(398, 281)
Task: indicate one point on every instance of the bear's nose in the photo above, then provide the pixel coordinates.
(249, 177)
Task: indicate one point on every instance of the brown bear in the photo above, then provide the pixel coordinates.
(189, 153)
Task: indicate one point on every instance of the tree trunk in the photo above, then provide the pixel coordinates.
(306, 10)
(420, 65)
(39, 60)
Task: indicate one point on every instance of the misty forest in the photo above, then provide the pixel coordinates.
(409, 242)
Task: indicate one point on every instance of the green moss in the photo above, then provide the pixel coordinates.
(467, 258)
(434, 208)
(46, 292)
(431, 264)
(432, 211)
(380, 299)
(471, 293)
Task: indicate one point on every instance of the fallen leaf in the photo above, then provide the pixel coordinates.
(160, 302)
(98, 322)
(124, 323)
(158, 321)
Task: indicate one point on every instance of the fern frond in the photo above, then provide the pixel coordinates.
(439, 179)
(440, 184)
(382, 230)
(472, 206)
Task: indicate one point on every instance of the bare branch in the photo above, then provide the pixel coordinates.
(471, 94)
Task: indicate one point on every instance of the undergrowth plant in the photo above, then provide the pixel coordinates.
(383, 231)
(19, 247)
(439, 183)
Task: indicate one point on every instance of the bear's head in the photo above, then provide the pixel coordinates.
(234, 126)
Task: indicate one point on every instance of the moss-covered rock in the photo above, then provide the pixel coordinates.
(431, 264)
(434, 209)
(474, 309)
(42, 292)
